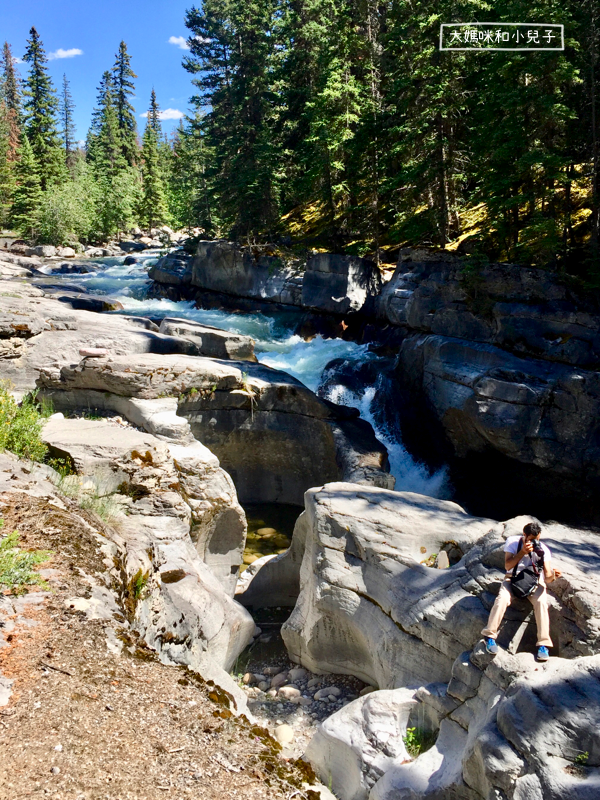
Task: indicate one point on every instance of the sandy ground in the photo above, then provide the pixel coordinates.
(89, 719)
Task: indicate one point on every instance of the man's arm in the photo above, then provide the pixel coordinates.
(549, 573)
(510, 561)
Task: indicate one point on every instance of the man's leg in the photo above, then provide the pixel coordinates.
(498, 611)
(539, 601)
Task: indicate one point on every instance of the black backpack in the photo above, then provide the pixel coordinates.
(527, 581)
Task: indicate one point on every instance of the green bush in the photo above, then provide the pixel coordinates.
(418, 741)
(16, 565)
(67, 213)
(21, 426)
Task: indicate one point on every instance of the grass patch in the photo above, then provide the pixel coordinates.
(417, 741)
(21, 425)
(88, 495)
(17, 565)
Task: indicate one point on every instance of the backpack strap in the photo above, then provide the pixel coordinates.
(514, 572)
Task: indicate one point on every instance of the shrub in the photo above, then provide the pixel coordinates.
(21, 426)
(16, 565)
(418, 741)
(68, 212)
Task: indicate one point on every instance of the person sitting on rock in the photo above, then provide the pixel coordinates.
(522, 558)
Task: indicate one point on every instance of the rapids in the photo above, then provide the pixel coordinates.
(276, 346)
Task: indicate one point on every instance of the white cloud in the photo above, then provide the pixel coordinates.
(180, 41)
(168, 113)
(18, 60)
(60, 53)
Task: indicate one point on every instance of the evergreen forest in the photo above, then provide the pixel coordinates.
(334, 124)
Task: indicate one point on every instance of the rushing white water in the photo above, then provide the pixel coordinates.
(276, 346)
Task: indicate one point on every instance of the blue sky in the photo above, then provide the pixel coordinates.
(96, 28)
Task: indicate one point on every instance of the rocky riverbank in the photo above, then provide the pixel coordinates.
(380, 597)
(492, 369)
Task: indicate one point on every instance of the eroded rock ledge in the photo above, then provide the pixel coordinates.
(274, 436)
(507, 728)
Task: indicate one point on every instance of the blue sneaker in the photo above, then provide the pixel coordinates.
(491, 646)
(543, 654)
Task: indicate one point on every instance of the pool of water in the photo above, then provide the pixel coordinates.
(270, 529)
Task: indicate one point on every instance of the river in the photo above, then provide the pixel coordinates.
(276, 346)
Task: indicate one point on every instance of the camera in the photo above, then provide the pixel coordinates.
(537, 548)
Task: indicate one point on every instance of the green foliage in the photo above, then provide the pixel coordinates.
(67, 126)
(27, 195)
(17, 566)
(582, 758)
(124, 88)
(21, 426)
(153, 209)
(40, 109)
(418, 741)
(64, 466)
(69, 212)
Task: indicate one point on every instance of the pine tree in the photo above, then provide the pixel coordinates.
(190, 197)
(154, 116)
(124, 88)
(10, 93)
(40, 113)
(7, 180)
(66, 109)
(103, 99)
(28, 193)
(153, 207)
(234, 51)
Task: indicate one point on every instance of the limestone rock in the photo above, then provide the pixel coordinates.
(146, 469)
(354, 747)
(366, 605)
(146, 376)
(339, 284)
(274, 436)
(211, 341)
(55, 333)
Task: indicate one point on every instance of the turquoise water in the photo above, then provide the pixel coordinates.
(276, 346)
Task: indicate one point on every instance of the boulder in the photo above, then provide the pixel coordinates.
(367, 606)
(354, 747)
(211, 341)
(43, 251)
(339, 284)
(66, 252)
(274, 436)
(75, 268)
(178, 485)
(173, 269)
(133, 246)
(99, 304)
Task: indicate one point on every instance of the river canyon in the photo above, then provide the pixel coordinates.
(309, 471)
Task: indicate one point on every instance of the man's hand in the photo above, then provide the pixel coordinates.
(526, 550)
